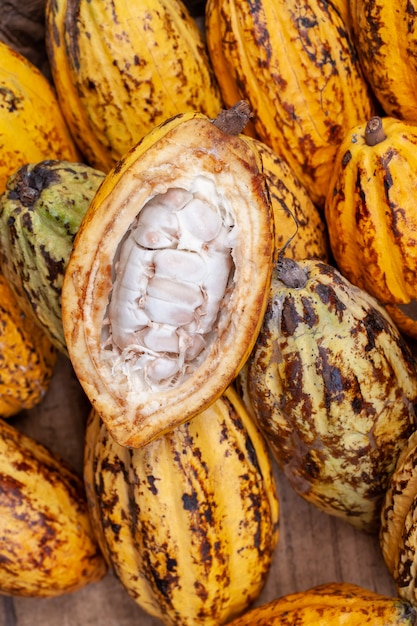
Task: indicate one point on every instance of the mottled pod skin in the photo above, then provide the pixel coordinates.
(371, 214)
(398, 533)
(27, 357)
(32, 126)
(332, 604)
(103, 295)
(121, 68)
(47, 544)
(41, 211)
(299, 225)
(295, 63)
(334, 388)
(385, 35)
(189, 522)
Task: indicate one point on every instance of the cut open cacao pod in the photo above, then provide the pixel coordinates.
(166, 287)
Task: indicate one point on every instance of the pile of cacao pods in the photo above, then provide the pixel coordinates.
(210, 212)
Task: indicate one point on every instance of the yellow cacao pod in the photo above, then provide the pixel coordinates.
(332, 604)
(299, 225)
(32, 126)
(189, 522)
(47, 544)
(385, 36)
(398, 533)
(296, 65)
(166, 286)
(121, 68)
(27, 357)
(371, 214)
(333, 386)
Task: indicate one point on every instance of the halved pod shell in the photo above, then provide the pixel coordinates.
(333, 386)
(168, 281)
(398, 533)
(189, 522)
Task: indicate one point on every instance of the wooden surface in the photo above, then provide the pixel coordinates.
(313, 547)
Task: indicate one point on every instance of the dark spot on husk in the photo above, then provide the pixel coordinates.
(190, 501)
(374, 324)
(151, 480)
(346, 158)
(328, 296)
(290, 319)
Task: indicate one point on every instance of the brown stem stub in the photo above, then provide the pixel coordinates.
(291, 273)
(232, 121)
(374, 131)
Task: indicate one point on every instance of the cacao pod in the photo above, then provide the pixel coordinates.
(371, 214)
(332, 604)
(189, 522)
(398, 533)
(333, 386)
(165, 289)
(32, 126)
(47, 544)
(27, 358)
(40, 213)
(299, 225)
(385, 36)
(296, 66)
(121, 68)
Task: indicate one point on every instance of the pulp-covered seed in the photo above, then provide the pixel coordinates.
(170, 278)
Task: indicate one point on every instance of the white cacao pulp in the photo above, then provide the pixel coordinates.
(171, 275)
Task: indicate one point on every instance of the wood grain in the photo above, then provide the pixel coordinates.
(313, 547)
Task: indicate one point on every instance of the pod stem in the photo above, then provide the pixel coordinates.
(291, 273)
(374, 131)
(232, 121)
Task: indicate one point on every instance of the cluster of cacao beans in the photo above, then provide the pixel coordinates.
(213, 220)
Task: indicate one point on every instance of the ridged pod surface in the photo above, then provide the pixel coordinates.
(295, 63)
(332, 604)
(41, 211)
(27, 357)
(333, 386)
(398, 533)
(371, 214)
(385, 35)
(32, 126)
(299, 225)
(47, 544)
(168, 280)
(189, 522)
(121, 68)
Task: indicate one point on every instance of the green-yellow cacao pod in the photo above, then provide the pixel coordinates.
(333, 386)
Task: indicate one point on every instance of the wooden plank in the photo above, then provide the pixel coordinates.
(313, 547)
